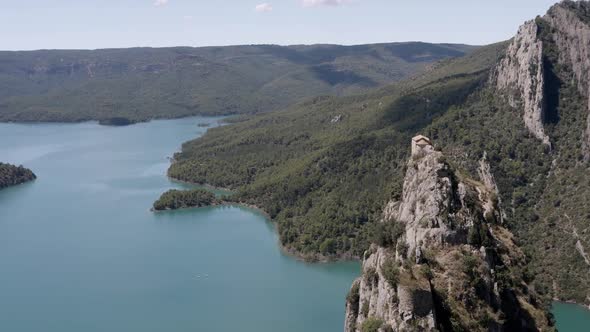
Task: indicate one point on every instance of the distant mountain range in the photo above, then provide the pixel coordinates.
(146, 83)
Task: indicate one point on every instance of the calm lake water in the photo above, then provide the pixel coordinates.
(571, 317)
(80, 250)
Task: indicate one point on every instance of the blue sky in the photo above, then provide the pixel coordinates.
(89, 24)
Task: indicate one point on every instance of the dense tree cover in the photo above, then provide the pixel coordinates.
(144, 83)
(178, 199)
(11, 175)
(116, 121)
(323, 169)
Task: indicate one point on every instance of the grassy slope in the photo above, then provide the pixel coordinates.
(145, 83)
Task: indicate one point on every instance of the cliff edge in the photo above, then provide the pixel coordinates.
(442, 259)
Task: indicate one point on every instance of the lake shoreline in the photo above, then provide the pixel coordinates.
(315, 258)
(105, 256)
(583, 305)
(307, 258)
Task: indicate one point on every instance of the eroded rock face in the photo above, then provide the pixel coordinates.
(399, 307)
(433, 205)
(485, 175)
(571, 35)
(443, 269)
(521, 76)
(429, 189)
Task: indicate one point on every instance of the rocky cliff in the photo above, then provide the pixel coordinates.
(570, 34)
(528, 75)
(521, 74)
(544, 77)
(443, 261)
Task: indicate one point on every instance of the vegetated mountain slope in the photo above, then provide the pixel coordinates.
(541, 165)
(145, 83)
(11, 175)
(325, 168)
(331, 169)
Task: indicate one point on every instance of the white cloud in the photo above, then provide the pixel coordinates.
(188, 17)
(263, 7)
(317, 3)
(159, 3)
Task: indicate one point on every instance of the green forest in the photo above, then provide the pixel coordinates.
(179, 199)
(121, 86)
(324, 169)
(11, 175)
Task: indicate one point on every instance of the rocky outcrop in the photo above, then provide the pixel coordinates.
(399, 306)
(520, 74)
(429, 198)
(571, 35)
(445, 260)
(485, 175)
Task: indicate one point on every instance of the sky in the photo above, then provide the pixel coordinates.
(91, 24)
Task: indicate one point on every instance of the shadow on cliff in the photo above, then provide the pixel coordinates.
(551, 92)
(516, 318)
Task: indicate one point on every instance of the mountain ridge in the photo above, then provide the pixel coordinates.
(145, 83)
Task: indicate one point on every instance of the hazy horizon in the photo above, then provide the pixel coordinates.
(93, 24)
(238, 45)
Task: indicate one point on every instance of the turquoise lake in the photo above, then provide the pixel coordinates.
(571, 317)
(80, 250)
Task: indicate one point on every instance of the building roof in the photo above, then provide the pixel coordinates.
(421, 140)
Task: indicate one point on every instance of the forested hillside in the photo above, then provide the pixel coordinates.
(325, 168)
(144, 83)
(11, 175)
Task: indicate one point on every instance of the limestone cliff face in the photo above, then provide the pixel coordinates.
(571, 36)
(398, 306)
(431, 205)
(521, 71)
(555, 48)
(522, 76)
(445, 262)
